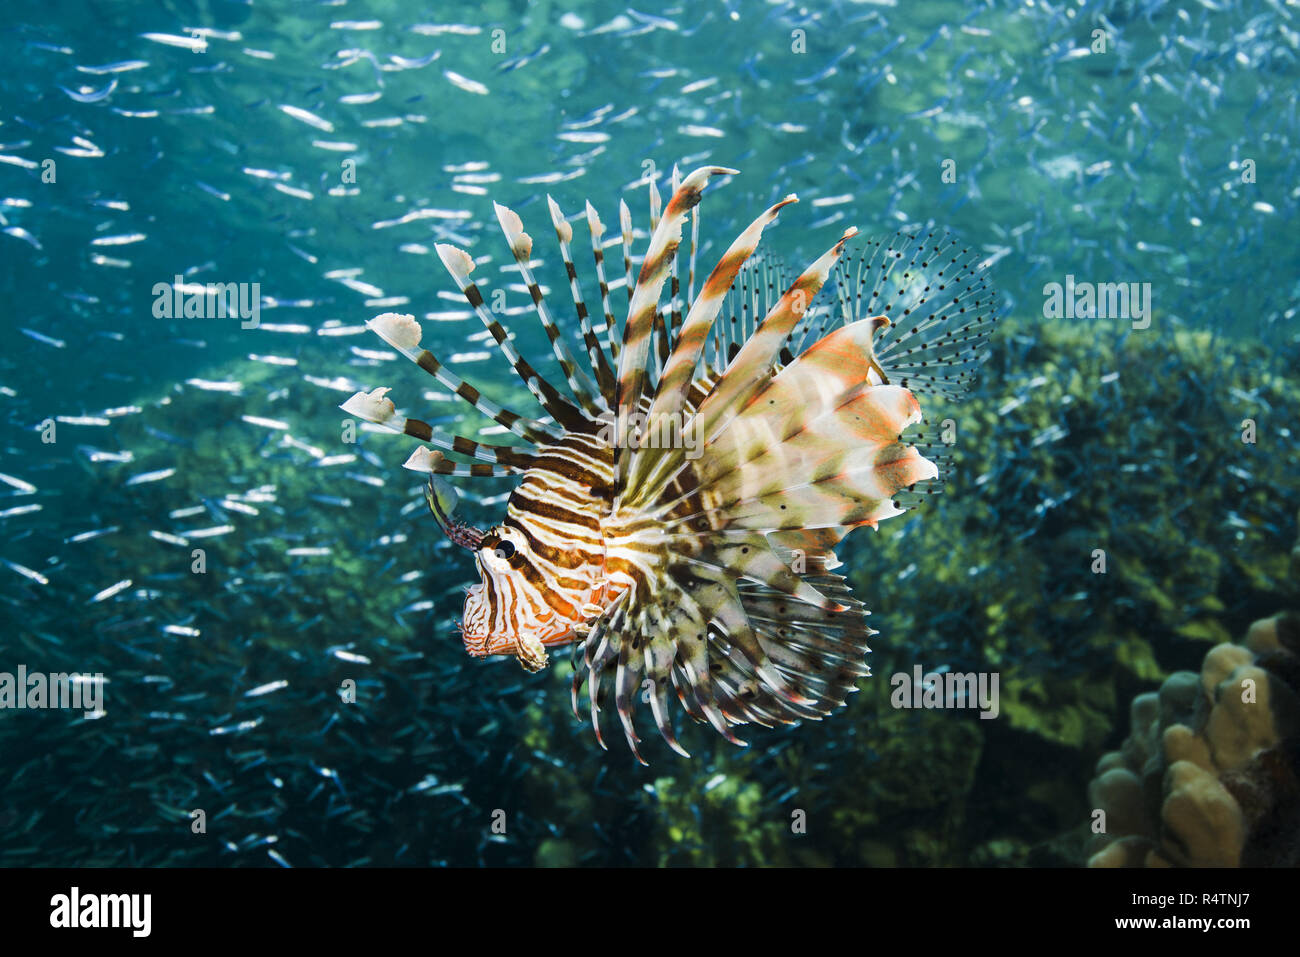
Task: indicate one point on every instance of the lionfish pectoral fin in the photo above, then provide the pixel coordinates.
(598, 653)
(756, 628)
(625, 685)
(749, 371)
(663, 719)
(943, 306)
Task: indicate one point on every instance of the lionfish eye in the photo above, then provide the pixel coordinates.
(505, 549)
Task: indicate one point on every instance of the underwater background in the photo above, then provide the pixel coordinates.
(320, 149)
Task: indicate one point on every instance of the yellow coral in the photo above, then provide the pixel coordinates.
(1193, 750)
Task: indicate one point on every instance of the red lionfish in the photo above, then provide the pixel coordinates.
(702, 564)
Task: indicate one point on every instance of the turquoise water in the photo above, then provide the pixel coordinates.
(320, 150)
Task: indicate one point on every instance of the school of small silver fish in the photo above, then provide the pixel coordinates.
(184, 509)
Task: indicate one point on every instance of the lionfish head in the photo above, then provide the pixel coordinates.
(504, 611)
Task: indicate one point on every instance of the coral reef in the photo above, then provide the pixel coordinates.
(1081, 544)
(1210, 773)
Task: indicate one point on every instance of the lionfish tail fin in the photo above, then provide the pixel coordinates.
(940, 302)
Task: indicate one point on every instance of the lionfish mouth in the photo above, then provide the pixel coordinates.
(475, 643)
(483, 646)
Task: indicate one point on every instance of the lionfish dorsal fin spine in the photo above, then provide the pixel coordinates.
(656, 204)
(521, 246)
(660, 331)
(597, 230)
(403, 333)
(595, 351)
(695, 246)
(670, 399)
(375, 407)
(674, 315)
(496, 460)
(458, 264)
(645, 301)
(625, 228)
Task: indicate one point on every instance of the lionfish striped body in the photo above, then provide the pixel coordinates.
(678, 511)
